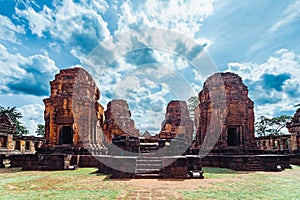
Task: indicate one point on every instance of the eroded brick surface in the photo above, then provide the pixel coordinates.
(225, 114)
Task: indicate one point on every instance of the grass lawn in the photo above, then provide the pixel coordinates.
(85, 183)
(258, 185)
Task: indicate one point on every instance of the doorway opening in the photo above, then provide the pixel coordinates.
(233, 136)
(3, 141)
(67, 135)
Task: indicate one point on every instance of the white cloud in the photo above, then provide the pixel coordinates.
(38, 21)
(277, 100)
(9, 31)
(186, 17)
(33, 114)
(27, 75)
(290, 14)
(284, 61)
(78, 25)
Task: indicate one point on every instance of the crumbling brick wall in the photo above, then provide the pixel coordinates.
(118, 120)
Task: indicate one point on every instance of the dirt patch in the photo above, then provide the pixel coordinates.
(163, 188)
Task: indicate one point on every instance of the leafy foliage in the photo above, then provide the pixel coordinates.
(15, 117)
(271, 126)
(40, 131)
(193, 102)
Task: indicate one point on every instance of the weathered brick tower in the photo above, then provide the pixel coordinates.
(177, 121)
(225, 117)
(294, 129)
(72, 114)
(118, 120)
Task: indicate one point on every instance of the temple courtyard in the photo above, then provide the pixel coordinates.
(86, 183)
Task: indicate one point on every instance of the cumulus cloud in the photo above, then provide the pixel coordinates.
(185, 17)
(78, 25)
(33, 114)
(273, 85)
(146, 68)
(38, 21)
(9, 31)
(25, 75)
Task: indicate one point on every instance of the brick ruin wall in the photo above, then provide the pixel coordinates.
(224, 108)
(294, 128)
(177, 121)
(118, 120)
(72, 112)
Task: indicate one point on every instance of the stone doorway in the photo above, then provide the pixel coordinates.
(67, 135)
(233, 136)
(3, 141)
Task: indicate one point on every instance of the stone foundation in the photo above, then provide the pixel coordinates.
(41, 162)
(248, 162)
(295, 159)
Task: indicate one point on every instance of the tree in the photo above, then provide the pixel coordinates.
(40, 131)
(15, 116)
(193, 102)
(261, 126)
(12, 112)
(271, 126)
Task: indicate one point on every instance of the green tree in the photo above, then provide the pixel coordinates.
(193, 102)
(261, 126)
(15, 117)
(271, 126)
(12, 112)
(40, 130)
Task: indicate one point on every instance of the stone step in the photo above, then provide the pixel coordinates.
(147, 171)
(148, 150)
(148, 158)
(149, 154)
(149, 166)
(148, 175)
(148, 162)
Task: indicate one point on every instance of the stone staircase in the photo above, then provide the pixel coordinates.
(254, 164)
(148, 147)
(148, 166)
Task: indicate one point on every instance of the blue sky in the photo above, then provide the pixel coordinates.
(259, 40)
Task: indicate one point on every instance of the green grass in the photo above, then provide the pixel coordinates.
(230, 184)
(79, 184)
(85, 183)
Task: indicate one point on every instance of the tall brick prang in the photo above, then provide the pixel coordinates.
(72, 114)
(225, 116)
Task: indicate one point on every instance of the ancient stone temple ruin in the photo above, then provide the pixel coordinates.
(7, 130)
(294, 129)
(118, 120)
(177, 121)
(73, 115)
(75, 120)
(225, 114)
